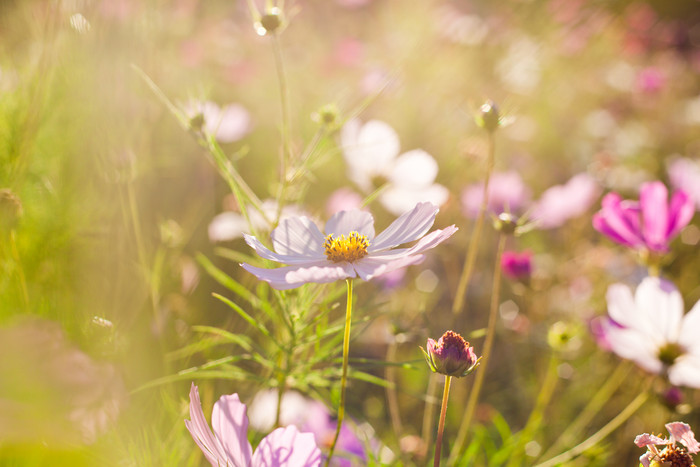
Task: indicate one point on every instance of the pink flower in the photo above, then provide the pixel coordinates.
(650, 329)
(507, 193)
(684, 174)
(451, 355)
(650, 80)
(227, 124)
(348, 249)
(563, 202)
(229, 446)
(650, 223)
(672, 455)
(517, 266)
(343, 199)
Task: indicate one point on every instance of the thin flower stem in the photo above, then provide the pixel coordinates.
(286, 155)
(470, 259)
(592, 408)
(535, 419)
(488, 344)
(20, 269)
(598, 436)
(344, 377)
(441, 425)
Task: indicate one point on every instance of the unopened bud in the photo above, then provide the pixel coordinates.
(488, 117)
(451, 355)
(270, 23)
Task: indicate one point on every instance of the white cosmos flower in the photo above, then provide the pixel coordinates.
(372, 152)
(650, 329)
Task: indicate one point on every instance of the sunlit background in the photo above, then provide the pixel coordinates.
(117, 224)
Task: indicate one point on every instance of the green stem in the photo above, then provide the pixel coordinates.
(535, 419)
(391, 396)
(470, 259)
(20, 270)
(488, 344)
(429, 412)
(598, 436)
(441, 425)
(344, 377)
(286, 156)
(592, 408)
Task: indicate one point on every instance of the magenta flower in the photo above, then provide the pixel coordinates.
(348, 249)
(517, 266)
(671, 454)
(650, 223)
(650, 329)
(451, 355)
(229, 446)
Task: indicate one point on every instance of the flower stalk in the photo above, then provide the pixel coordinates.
(344, 377)
(441, 425)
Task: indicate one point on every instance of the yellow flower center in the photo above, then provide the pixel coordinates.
(347, 249)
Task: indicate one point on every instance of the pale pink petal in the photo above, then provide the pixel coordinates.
(265, 253)
(290, 277)
(681, 432)
(298, 236)
(233, 123)
(563, 202)
(414, 169)
(344, 222)
(408, 227)
(432, 240)
(658, 302)
(685, 371)
(343, 199)
(200, 431)
(397, 199)
(681, 212)
(645, 460)
(691, 329)
(287, 447)
(368, 268)
(684, 174)
(646, 439)
(230, 424)
(368, 149)
(653, 198)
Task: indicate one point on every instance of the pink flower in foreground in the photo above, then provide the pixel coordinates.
(563, 202)
(348, 248)
(671, 454)
(650, 223)
(650, 329)
(229, 446)
(517, 266)
(451, 355)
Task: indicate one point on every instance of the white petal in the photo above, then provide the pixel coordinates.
(291, 277)
(399, 199)
(690, 329)
(686, 371)
(414, 168)
(227, 226)
(287, 447)
(408, 227)
(230, 424)
(368, 268)
(297, 236)
(344, 222)
(621, 306)
(635, 346)
(265, 253)
(659, 302)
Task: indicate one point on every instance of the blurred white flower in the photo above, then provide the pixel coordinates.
(227, 124)
(231, 225)
(372, 154)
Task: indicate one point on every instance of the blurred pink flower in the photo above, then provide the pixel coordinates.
(650, 329)
(349, 52)
(563, 202)
(650, 80)
(310, 416)
(230, 225)
(684, 174)
(650, 223)
(51, 392)
(228, 445)
(349, 248)
(671, 455)
(517, 266)
(343, 199)
(372, 154)
(506, 193)
(227, 124)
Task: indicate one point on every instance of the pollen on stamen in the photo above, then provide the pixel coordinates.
(348, 249)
